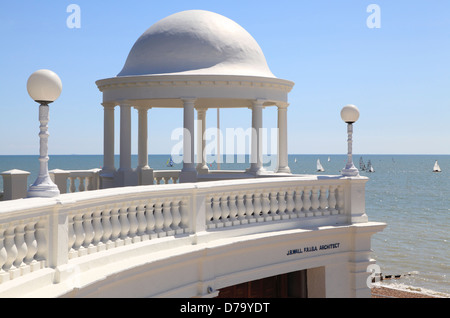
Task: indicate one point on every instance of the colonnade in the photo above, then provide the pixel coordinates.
(125, 175)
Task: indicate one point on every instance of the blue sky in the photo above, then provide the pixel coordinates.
(398, 75)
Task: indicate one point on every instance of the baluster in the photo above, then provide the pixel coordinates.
(315, 204)
(72, 184)
(167, 214)
(3, 255)
(21, 246)
(233, 209)
(175, 179)
(217, 212)
(132, 211)
(41, 238)
(149, 209)
(249, 209)
(98, 229)
(79, 234)
(159, 219)
(257, 206)
(115, 225)
(89, 183)
(142, 221)
(307, 202)
(241, 209)
(323, 200)
(332, 200)
(298, 202)
(209, 212)
(107, 227)
(124, 223)
(31, 242)
(71, 236)
(88, 232)
(225, 210)
(81, 184)
(185, 214)
(11, 249)
(274, 206)
(340, 201)
(265, 207)
(176, 216)
(282, 205)
(158, 180)
(290, 205)
(184, 211)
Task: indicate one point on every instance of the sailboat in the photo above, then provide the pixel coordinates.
(169, 162)
(329, 159)
(362, 166)
(370, 167)
(295, 160)
(436, 167)
(319, 166)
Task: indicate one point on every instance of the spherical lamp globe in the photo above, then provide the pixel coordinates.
(44, 86)
(350, 114)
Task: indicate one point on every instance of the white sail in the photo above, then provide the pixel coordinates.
(436, 167)
(370, 167)
(319, 166)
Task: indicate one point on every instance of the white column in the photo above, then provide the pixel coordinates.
(145, 173)
(108, 138)
(143, 139)
(125, 176)
(188, 173)
(125, 137)
(201, 143)
(256, 165)
(283, 166)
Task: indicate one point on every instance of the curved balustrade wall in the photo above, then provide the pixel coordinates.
(46, 233)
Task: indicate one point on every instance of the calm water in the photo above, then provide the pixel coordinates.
(402, 192)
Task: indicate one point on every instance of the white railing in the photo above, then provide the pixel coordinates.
(70, 181)
(166, 176)
(46, 233)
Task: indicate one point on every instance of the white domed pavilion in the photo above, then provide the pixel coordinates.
(192, 60)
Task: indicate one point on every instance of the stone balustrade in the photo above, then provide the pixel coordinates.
(69, 181)
(166, 176)
(39, 233)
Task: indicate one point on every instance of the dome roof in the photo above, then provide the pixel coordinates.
(196, 42)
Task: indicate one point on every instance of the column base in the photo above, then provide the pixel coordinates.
(107, 179)
(48, 190)
(188, 176)
(284, 170)
(350, 172)
(145, 176)
(125, 178)
(202, 169)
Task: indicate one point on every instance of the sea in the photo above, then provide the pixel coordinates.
(412, 252)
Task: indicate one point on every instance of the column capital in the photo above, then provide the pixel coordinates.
(201, 110)
(142, 108)
(188, 100)
(258, 102)
(282, 105)
(108, 105)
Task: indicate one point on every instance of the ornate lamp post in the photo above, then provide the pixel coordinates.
(44, 87)
(350, 115)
